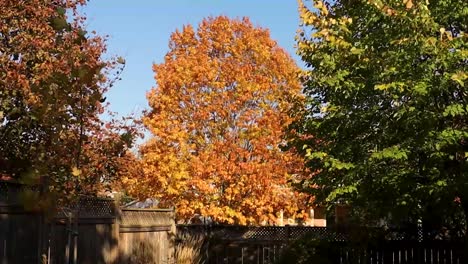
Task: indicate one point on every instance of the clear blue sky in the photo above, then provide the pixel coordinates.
(140, 29)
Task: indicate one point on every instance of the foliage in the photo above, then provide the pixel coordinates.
(107, 158)
(52, 85)
(309, 250)
(388, 104)
(217, 116)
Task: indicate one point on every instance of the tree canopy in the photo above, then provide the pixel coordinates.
(388, 106)
(52, 85)
(218, 113)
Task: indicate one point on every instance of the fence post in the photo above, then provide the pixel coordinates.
(420, 238)
(115, 246)
(208, 244)
(172, 241)
(75, 236)
(69, 234)
(41, 237)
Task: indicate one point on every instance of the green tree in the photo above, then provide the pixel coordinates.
(388, 106)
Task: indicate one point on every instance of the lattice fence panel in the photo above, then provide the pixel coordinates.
(146, 217)
(90, 207)
(95, 207)
(271, 233)
(291, 233)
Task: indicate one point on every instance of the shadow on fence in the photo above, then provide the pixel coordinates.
(300, 244)
(94, 230)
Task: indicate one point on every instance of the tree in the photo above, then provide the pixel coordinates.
(52, 85)
(217, 117)
(388, 106)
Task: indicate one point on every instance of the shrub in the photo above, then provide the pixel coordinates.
(309, 250)
(189, 248)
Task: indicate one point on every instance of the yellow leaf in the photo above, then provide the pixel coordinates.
(409, 4)
(76, 172)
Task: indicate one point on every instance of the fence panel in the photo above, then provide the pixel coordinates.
(147, 236)
(92, 230)
(264, 245)
(19, 237)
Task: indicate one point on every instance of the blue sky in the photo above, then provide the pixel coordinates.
(140, 29)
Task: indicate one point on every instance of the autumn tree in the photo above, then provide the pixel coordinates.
(217, 117)
(388, 106)
(52, 85)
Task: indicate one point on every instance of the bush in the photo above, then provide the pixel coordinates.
(309, 250)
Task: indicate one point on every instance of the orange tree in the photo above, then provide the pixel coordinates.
(218, 112)
(52, 85)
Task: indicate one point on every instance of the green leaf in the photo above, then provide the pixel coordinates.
(61, 11)
(59, 23)
(420, 88)
(356, 51)
(394, 152)
(459, 77)
(455, 110)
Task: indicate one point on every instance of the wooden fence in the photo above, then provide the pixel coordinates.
(268, 245)
(147, 233)
(97, 231)
(91, 231)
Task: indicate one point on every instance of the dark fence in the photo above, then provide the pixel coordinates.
(291, 244)
(92, 230)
